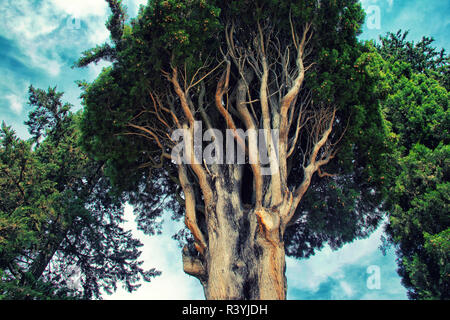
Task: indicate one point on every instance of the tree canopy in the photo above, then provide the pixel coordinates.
(293, 66)
(352, 131)
(418, 118)
(60, 222)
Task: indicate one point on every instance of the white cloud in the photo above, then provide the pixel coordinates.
(389, 3)
(15, 103)
(346, 288)
(161, 252)
(86, 8)
(81, 8)
(21, 20)
(43, 35)
(39, 55)
(53, 67)
(43, 30)
(133, 6)
(310, 274)
(95, 69)
(138, 2)
(91, 13)
(99, 33)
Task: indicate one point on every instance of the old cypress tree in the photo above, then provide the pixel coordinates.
(291, 67)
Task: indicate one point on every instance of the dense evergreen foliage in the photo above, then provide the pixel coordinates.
(189, 34)
(418, 202)
(59, 221)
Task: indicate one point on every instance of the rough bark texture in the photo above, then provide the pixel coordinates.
(245, 256)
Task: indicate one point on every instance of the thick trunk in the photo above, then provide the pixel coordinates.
(244, 257)
(242, 264)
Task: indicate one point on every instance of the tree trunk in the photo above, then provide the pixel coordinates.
(244, 256)
(242, 264)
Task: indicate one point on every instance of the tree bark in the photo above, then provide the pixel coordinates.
(244, 258)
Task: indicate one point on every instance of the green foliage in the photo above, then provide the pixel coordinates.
(419, 221)
(417, 114)
(417, 109)
(115, 25)
(421, 57)
(57, 212)
(189, 35)
(15, 289)
(347, 207)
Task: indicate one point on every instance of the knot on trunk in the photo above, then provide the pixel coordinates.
(268, 219)
(192, 265)
(269, 224)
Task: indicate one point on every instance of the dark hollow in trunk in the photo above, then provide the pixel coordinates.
(244, 258)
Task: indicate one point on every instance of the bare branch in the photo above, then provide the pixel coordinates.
(190, 216)
(181, 94)
(324, 174)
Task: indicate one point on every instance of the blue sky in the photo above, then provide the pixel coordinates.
(40, 40)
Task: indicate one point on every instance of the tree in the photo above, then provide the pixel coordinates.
(295, 68)
(417, 114)
(422, 57)
(58, 214)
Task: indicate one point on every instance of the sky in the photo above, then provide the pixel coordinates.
(41, 39)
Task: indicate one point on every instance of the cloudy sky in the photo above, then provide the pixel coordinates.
(41, 39)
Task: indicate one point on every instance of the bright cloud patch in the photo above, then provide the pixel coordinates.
(81, 8)
(15, 103)
(161, 252)
(23, 20)
(346, 288)
(310, 274)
